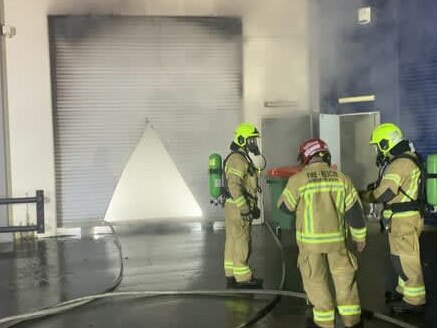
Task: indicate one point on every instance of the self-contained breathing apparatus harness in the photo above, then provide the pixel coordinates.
(252, 170)
(418, 204)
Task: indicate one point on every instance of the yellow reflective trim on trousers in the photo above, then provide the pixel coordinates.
(229, 265)
(414, 291)
(240, 201)
(359, 233)
(349, 309)
(240, 271)
(396, 178)
(241, 268)
(289, 197)
(319, 238)
(322, 316)
(411, 291)
(235, 172)
(401, 282)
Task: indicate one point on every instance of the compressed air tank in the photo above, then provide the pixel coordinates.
(215, 175)
(431, 181)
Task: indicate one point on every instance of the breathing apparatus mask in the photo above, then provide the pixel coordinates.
(252, 146)
(258, 160)
(381, 160)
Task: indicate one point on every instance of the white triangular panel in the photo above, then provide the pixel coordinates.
(151, 186)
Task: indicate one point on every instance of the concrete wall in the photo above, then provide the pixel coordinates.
(276, 68)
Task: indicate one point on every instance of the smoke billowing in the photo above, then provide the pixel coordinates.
(393, 57)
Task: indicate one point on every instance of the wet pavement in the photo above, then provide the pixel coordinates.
(173, 256)
(37, 274)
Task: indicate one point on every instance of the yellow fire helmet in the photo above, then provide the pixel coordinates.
(245, 131)
(386, 136)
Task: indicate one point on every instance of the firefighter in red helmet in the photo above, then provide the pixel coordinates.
(326, 205)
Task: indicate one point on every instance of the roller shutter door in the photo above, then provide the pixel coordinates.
(111, 75)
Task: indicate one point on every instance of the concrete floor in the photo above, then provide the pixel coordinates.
(172, 257)
(36, 274)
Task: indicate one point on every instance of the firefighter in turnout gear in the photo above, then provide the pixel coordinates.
(326, 205)
(241, 188)
(399, 189)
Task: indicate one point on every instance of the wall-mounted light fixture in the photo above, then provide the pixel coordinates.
(356, 99)
(364, 15)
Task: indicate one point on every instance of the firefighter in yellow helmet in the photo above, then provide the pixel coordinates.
(398, 188)
(326, 205)
(241, 188)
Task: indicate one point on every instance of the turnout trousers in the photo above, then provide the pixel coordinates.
(237, 245)
(315, 269)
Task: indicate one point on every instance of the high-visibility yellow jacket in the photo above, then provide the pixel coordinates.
(401, 174)
(326, 204)
(242, 182)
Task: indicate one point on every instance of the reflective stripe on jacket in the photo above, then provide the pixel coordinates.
(403, 174)
(321, 196)
(241, 183)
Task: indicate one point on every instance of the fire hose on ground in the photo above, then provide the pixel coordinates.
(15, 320)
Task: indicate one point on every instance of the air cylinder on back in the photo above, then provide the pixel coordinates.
(215, 175)
(431, 181)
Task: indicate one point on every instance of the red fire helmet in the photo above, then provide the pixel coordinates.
(311, 147)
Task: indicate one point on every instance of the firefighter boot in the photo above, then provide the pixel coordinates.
(309, 323)
(358, 325)
(405, 308)
(393, 296)
(254, 283)
(230, 282)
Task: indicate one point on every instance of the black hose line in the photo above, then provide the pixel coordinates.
(109, 293)
(266, 309)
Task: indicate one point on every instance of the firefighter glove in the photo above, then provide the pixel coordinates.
(256, 213)
(247, 216)
(366, 196)
(372, 186)
(361, 245)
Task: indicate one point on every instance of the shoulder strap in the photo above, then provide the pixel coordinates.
(416, 160)
(414, 204)
(251, 169)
